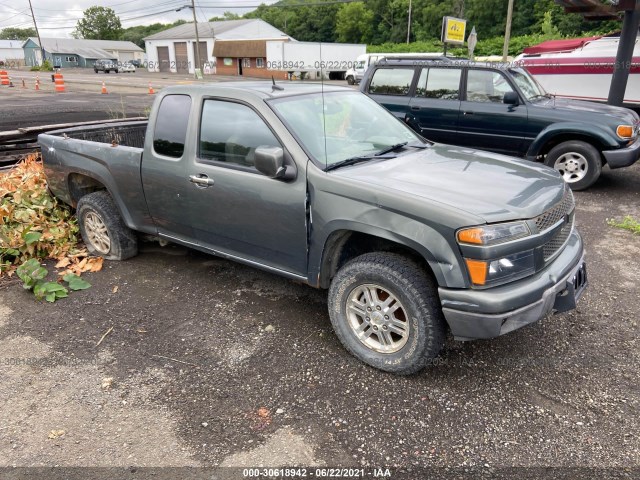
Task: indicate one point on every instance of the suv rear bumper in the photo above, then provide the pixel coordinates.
(476, 314)
(623, 157)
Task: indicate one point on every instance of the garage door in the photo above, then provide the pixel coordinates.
(203, 54)
(126, 56)
(182, 59)
(163, 59)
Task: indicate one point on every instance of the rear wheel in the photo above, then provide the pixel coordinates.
(350, 80)
(102, 228)
(385, 311)
(578, 162)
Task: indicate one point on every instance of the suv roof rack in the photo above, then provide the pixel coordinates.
(439, 58)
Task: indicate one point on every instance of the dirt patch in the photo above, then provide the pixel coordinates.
(63, 412)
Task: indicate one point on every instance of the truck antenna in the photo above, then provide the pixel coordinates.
(275, 87)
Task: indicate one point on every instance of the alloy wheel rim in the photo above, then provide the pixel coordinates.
(572, 166)
(97, 233)
(377, 318)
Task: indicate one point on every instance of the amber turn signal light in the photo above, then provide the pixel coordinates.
(471, 235)
(477, 271)
(625, 131)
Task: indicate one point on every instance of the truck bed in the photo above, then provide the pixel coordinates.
(81, 159)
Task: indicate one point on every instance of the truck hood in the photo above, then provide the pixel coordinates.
(494, 187)
(575, 110)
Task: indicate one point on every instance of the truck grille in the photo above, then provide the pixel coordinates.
(550, 248)
(555, 214)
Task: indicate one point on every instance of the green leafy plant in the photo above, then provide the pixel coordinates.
(33, 275)
(627, 223)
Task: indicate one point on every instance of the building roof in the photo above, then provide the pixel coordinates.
(84, 47)
(11, 44)
(246, 29)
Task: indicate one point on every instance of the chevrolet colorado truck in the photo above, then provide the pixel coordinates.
(323, 185)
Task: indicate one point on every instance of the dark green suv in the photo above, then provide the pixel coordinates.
(503, 109)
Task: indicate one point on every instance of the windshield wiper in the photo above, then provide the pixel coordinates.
(381, 154)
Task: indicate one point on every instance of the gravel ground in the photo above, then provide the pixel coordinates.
(211, 363)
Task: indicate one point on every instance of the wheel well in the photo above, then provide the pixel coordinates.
(345, 245)
(81, 185)
(567, 137)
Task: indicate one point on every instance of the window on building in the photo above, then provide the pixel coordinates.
(439, 83)
(246, 62)
(391, 81)
(231, 132)
(260, 62)
(171, 125)
(70, 59)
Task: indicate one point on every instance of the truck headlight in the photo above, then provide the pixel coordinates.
(625, 132)
(493, 234)
(501, 270)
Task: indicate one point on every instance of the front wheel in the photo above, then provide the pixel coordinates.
(385, 310)
(350, 80)
(579, 163)
(102, 228)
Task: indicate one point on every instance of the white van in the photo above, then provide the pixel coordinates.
(364, 61)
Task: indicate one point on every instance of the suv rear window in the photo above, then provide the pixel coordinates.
(391, 81)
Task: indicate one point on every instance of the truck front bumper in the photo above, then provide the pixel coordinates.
(623, 157)
(475, 314)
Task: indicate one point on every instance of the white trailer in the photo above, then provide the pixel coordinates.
(315, 59)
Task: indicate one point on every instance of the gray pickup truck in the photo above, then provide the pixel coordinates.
(323, 185)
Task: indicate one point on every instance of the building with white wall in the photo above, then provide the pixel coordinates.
(174, 50)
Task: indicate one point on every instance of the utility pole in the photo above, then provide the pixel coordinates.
(507, 32)
(37, 32)
(195, 23)
(409, 23)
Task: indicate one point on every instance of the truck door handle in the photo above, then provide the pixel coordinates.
(467, 113)
(201, 180)
(415, 108)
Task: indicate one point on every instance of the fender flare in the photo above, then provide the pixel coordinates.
(582, 131)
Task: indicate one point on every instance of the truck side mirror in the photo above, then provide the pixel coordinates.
(511, 98)
(270, 162)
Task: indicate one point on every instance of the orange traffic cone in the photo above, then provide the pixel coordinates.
(104, 88)
(24, 85)
(37, 82)
(151, 92)
(11, 82)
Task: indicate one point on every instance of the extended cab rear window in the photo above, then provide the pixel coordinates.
(391, 81)
(171, 125)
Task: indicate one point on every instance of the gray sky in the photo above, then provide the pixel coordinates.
(57, 18)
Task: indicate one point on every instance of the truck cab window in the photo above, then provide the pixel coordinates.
(171, 125)
(230, 132)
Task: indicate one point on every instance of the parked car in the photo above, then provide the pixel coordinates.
(105, 66)
(324, 186)
(126, 67)
(503, 109)
(136, 63)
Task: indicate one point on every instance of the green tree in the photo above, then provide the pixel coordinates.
(138, 33)
(354, 23)
(99, 23)
(12, 33)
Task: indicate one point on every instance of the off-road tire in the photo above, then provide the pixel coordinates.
(578, 149)
(415, 290)
(123, 241)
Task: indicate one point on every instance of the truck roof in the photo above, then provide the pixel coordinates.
(263, 89)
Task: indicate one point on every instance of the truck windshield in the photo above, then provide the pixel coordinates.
(527, 85)
(338, 126)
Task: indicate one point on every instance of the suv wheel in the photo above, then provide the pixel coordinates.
(351, 80)
(95, 70)
(578, 162)
(385, 310)
(102, 228)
